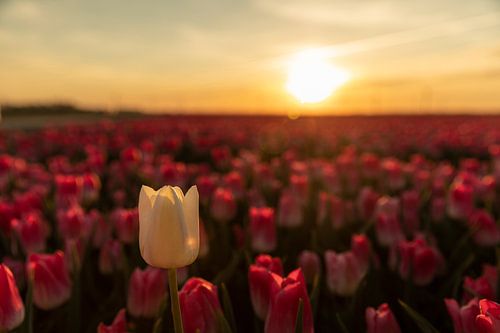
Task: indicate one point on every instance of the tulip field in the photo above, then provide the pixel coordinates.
(337, 224)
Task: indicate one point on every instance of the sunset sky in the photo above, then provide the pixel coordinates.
(234, 56)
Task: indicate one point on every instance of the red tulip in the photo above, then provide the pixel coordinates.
(200, 306)
(71, 222)
(460, 201)
(119, 324)
(110, 256)
(483, 286)
(146, 292)
(126, 223)
(381, 320)
(11, 304)
(51, 283)
(464, 318)
(289, 210)
(263, 284)
(486, 231)
(388, 230)
(367, 200)
(284, 306)
(488, 321)
(223, 205)
(262, 229)
(362, 249)
(32, 231)
(271, 264)
(420, 259)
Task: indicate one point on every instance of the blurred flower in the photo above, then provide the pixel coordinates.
(485, 286)
(200, 306)
(110, 256)
(289, 210)
(119, 324)
(388, 230)
(263, 284)
(169, 226)
(262, 229)
(460, 201)
(126, 222)
(420, 260)
(464, 318)
(381, 320)
(223, 205)
(272, 264)
(146, 292)
(11, 304)
(51, 283)
(485, 231)
(71, 222)
(32, 231)
(310, 263)
(344, 272)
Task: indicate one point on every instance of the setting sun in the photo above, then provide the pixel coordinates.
(311, 78)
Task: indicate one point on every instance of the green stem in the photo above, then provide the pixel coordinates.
(174, 300)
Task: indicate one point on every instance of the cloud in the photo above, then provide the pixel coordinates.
(22, 10)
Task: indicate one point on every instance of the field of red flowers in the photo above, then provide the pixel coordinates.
(355, 224)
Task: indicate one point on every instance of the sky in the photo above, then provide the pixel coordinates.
(231, 56)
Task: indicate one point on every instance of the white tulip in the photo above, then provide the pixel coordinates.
(168, 226)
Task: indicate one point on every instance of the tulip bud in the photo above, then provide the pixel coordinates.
(310, 263)
(71, 222)
(126, 223)
(51, 283)
(485, 286)
(344, 272)
(200, 306)
(146, 292)
(284, 306)
(381, 320)
(362, 249)
(289, 210)
(11, 304)
(420, 259)
(223, 206)
(486, 231)
(488, 321)
(271, 264)
(169, 226)
(234, 181)
(464, 318)
(110, 257)
(393, 173)
(91, 185)
(32, 232)
(366, 203)
(119, 324)
(262, 229)
(460, 201)
(388, 230)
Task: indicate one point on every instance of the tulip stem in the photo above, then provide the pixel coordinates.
(174, 300)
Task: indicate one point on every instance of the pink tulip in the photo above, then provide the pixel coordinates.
(310, 263)
(262, 229)
(284, 305)
(289, 210)
(119, 324)
(362, 249)
(488, 321)
(367, 200)
(200, 306)
(464, 318)
(388, 230)
(381, 320)
(11, 304)
(146, 292)
(344, 272)
(51, 283)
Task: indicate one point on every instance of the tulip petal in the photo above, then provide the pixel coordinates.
(191, 208)
(147, 197)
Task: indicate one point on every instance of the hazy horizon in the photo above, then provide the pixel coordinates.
(195, 56)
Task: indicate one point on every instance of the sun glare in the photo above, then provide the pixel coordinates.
(311, 78)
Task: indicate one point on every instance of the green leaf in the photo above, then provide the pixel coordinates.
(299, 326)
(341, 323)
(314, 295)
(228, 307)
(222, 324)
(423, 324)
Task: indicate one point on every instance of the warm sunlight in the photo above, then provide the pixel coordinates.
(311, 78)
